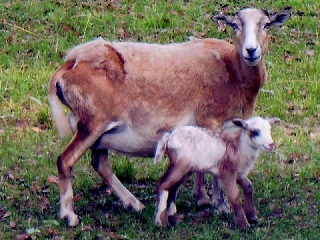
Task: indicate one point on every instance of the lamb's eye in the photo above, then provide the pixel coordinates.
(266, 26)
(255, 133)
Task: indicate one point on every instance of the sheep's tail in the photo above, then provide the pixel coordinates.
(161, 148)
(55, 103)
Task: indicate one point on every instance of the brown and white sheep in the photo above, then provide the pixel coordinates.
(229, 155)
(122, 95)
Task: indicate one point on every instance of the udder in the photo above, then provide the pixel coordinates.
(125, 140)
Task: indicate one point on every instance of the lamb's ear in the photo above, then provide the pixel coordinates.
(273, 120)
(240, 123)
(278, 19)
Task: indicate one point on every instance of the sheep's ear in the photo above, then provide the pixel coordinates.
(273, 120)
(278, 19)
(240, 123)
(223, 20)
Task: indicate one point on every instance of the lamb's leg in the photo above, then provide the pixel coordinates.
(218, 199)
(171, 206)
(199, 191)
(233, 195)
(161, 214)
(166, 193)
(81, 141)
(249, 206)
(101, 164)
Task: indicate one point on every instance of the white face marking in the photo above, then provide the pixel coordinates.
(251, 20)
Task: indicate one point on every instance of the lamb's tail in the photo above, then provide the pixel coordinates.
(161, 148)
(56, 107)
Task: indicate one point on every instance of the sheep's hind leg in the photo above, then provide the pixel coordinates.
(218, 199)
(101, 165)
(166, 193)
(171, 206)
(75, 149)
(162, 214)
(199, 191)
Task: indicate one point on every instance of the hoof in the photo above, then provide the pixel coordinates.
(137, 206)
(253, 221)
(223, 207)
(72, 220)
(172, 220)
(204, 201)
(70, 217)
(243, 225)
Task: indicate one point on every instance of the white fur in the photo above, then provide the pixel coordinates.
(198, 149)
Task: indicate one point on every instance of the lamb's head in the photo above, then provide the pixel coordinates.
(256, 132)
(251, 31)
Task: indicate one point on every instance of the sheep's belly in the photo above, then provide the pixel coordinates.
(125, 140)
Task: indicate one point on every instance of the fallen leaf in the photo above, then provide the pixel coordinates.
(23, 237)
(36, 129)
(52, 179)
(4, 213)
(86, 227)
(44, 205)
(310, 53)
(116, 235)
(35, 187)
(76, 197)
(33, 230)
(10, 175)
(13, 224)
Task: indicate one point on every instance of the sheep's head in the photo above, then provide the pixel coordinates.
(257, 132)
(251, 31)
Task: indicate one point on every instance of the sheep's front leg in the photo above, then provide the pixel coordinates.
(249, 206)
(76, 148)
(101, 164)
(233, 195)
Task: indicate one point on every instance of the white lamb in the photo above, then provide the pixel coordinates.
(229, 155)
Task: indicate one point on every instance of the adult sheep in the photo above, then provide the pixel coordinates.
(122, 96)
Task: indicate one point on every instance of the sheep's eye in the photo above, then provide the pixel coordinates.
(266, 26)
(235, 26)
(255, 133)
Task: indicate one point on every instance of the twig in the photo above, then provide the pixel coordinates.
(24, 30)
(85, 30)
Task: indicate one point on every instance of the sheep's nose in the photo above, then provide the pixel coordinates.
(251, 51)
(272, 146)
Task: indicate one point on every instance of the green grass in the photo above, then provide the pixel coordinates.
(34, 37)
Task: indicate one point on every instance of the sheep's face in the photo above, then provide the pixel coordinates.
(251, 31)
(257, 132)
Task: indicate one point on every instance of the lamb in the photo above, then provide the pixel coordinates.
(229, 155)
(122, 96)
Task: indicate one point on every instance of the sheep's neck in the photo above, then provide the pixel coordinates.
(253, 76)
(248, 155)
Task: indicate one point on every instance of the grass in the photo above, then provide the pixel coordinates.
(34, 36)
